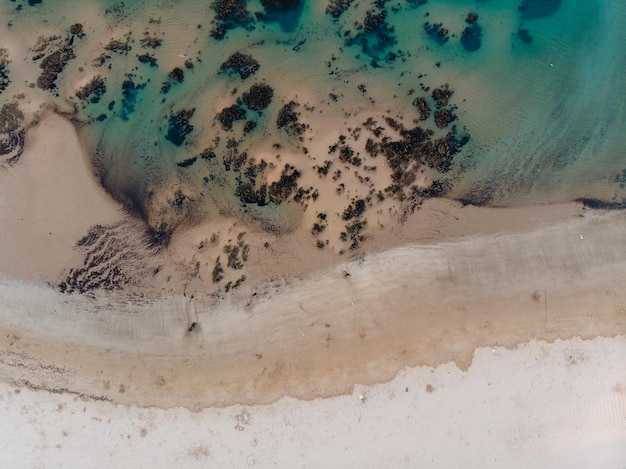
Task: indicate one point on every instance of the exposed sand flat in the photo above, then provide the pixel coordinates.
(48, 200)
(318, 335)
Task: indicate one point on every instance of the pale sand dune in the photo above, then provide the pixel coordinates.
(538, 405)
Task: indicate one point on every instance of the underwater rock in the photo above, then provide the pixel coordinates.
(258, 97)
(471, 18)
(471, 38)
(52, 65)
(177, 74)
(230, 114)
(4, 70)
(243, 64)
(93, 90)
(437, 32)
(229, 14)
(179, 126)
(118, 46)
(443, 118)
(524, 35)
(148, 59)
(424, 110)
(284, 12)
(288, 119)
(336, 8)
(441, 95)
(280, 190)
(77, 29)
(533, 9)
(249, 127)
(375, 35)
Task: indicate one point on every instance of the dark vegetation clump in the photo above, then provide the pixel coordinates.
(93, 90)
(148, 59)
(414, 147)
(188, 162)
(533, 9)
(441, 95)
(242, 64)
(150, 41)
(336, 8)
(229, 14)
(160, 236)
(11, 117)
(107, 262)
(130, 92)
(524, 35)
(346, 153)
(218, 271)
(281, 5)
(354, 210)
(249, 126)
(422, 107)
(230, 114)
(177, 74)
(76, 29)
(207, 154)
(52, 65)
(280, 190)
(284, 12)
(471, 38)
(471, 18)
(288, 119)
(11, 132)
(258, 97)
(602, 204)
(354, 233)
(375, 35)
(323, 170)
(4, 70)
(179, 127)
(237, 253)
(437, 32)
(443, 117)
(118, 46)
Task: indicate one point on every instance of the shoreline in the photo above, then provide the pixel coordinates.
(432, 304)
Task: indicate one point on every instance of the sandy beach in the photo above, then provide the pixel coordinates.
(536, 405)
(493, 284)
(300, 289)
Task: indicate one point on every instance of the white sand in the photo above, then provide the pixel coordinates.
(539, 405)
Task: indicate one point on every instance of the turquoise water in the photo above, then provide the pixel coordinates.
(537, 87)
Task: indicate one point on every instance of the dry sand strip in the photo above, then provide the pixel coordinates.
(318, 335)
(538, 405)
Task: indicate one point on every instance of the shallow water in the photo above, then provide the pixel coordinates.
(536, 86)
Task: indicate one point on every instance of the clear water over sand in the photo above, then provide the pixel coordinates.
(538, 93)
